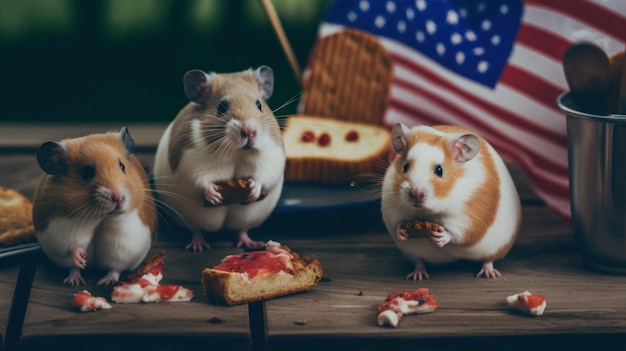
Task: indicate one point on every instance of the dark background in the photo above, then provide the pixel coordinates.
(92, 61)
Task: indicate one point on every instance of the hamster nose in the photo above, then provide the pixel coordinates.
(417, 196)
(250, 134)
(117, 199)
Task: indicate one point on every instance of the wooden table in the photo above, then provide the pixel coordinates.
(361, 265)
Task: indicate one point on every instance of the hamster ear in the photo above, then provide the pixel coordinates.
(265, 77)
(398, 138)
(197, 85)
(127, 139)
(51, 158)
(465, 147)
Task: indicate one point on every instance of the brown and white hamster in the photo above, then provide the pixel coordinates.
(453, 177)
(93, 206)
(226, 131)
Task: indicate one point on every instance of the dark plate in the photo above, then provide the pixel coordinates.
(310, 196)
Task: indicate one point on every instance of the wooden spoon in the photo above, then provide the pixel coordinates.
(588, 74)
(621, 105)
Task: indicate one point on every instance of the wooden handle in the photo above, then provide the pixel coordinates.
(278, 28)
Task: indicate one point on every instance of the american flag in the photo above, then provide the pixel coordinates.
(492, 66)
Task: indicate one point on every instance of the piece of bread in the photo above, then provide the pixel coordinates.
(16, 217)
(235, 191)
(419, 228)
(346, 88)
(348, 78)
(350, 152)
(261, 275)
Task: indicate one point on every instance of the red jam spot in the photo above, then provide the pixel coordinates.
(167, 291)
(533, 300)
(308, 137)
(352, 135)
(324, 139)
(253, 263)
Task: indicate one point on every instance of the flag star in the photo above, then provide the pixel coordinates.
(364, 5)
(391, 6)
(481, 7)
(410, 14)
(431, 27)
(495, 40)
(460, 57)
(470, 35)
(379, 22)
(452, 17)
(463, 12)
(352, 16)
(478, 51)
(420, 4)
(504, 9)
(401, 26)
(456, 38)
(483, 66)
(419, 35)
(486, 25)
(441, 49)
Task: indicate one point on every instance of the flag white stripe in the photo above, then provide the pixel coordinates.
(570, 29)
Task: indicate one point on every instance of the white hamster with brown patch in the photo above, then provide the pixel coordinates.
(93, 206)
(226, 131)
(450, 176)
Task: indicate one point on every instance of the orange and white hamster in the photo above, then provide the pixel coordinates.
(226, 131)
(453, 177)
(93, 206)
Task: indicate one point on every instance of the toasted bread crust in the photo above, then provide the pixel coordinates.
(419, 228)
(16, 221)
(235, 191)
(234, 288)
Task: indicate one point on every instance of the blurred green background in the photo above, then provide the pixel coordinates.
(93, 61)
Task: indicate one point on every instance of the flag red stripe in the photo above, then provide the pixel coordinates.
(530, 85)
(505, 116)
(543, 41)
(595, 16)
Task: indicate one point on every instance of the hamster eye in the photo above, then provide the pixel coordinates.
(405, 168)
(259, 106)
(122, 167)
(439, 171)
(222, 107)
(87, 172)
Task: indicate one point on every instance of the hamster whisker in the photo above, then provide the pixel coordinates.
(291, 100)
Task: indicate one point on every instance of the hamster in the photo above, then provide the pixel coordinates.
(226, 131)
(93, 205)
(453, 177)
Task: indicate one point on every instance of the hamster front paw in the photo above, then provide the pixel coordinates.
(402, 234)
(110, 278)
(79, 257)
(441, 237)
(212, 194)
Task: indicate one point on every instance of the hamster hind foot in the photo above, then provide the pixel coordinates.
(109, 279)
(419, 273)
(197, 243)
(488, 271)
(243, 240)
(74, 278)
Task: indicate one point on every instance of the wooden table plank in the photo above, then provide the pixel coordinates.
(9, 269)
(582, 305)
(52, 321)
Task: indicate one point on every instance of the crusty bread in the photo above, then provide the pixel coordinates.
(16, 217)
(235, 191)
(340, 160)
(419, 228)
(233, 288)
(348, 78)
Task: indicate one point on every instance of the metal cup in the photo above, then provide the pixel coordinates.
(596, 147)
